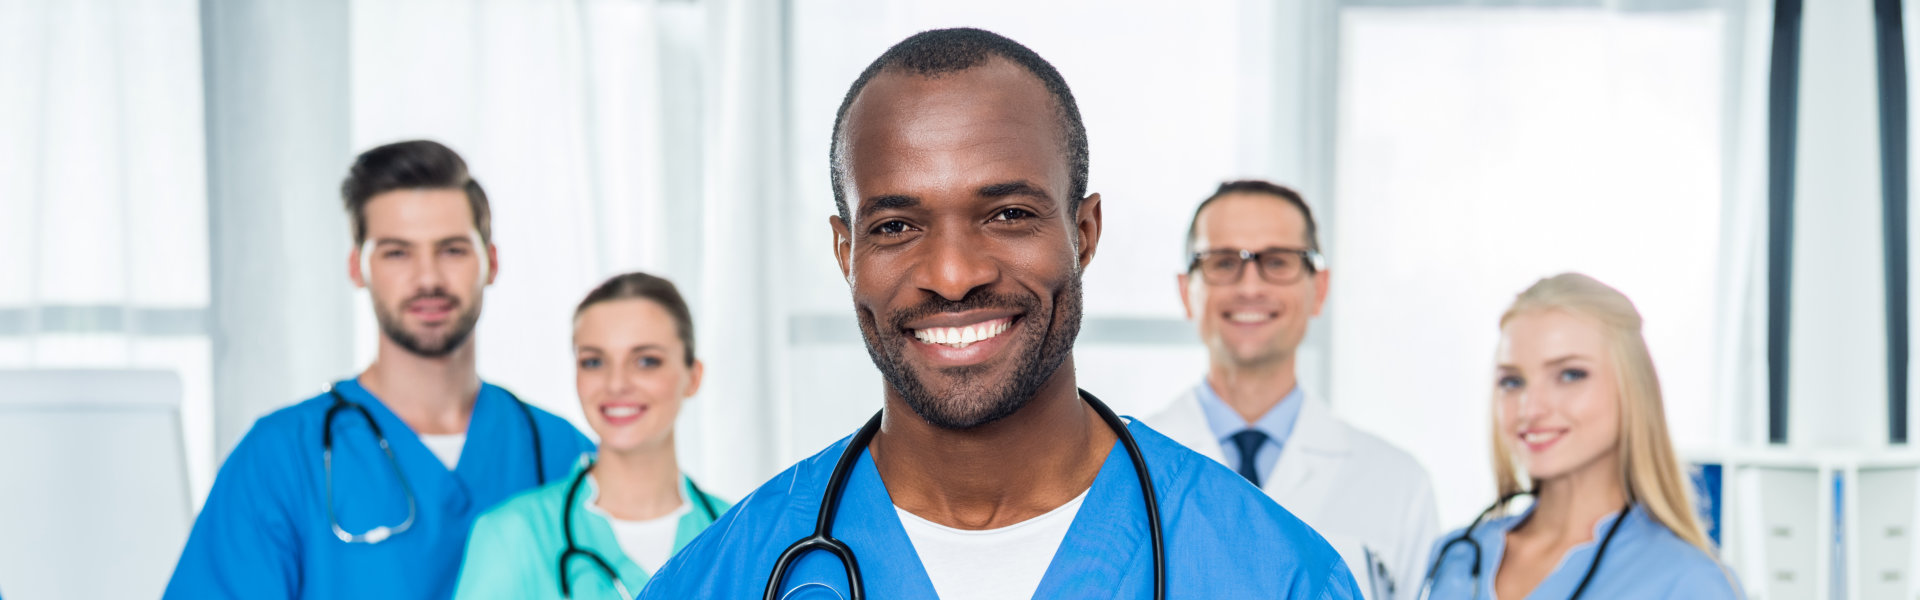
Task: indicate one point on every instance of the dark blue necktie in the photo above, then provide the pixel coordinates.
(1250, 441)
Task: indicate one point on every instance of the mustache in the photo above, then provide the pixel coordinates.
(979, 299)
(433, 294)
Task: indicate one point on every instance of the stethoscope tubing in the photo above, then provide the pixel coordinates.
(566, 527)
(1433, 572)
(383, 532)
(822, 536)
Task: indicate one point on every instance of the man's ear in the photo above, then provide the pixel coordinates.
(1321, 280)
(1186, 299)
(493, 262)
(1087, 223)
(354, 270)
(842, 246)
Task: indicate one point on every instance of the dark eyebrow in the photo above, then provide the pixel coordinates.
(453, 240)
(385, 241)
(1014, 188)
(891, 201)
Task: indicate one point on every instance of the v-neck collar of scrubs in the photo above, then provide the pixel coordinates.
(1561, 581)
(1111, 525)
(480, 458)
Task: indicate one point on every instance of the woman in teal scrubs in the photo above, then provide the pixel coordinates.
(600, 532)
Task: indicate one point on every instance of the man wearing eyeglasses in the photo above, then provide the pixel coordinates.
(1255, 276)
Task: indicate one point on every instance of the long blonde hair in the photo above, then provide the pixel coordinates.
(1648, 469)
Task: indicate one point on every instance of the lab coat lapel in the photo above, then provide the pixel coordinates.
(1185, 422)
(867, 523)
(1312, 453)
(1103, 548)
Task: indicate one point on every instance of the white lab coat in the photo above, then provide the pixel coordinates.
(1361, 493)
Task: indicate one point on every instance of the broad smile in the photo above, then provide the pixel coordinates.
(622, 413)
(1249, 317)
(1537, 440)
(961, 337)
(961, 340)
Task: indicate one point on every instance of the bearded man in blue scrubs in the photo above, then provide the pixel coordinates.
(420, 446)
(959, 166)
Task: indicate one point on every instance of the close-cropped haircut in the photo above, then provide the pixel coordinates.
(412, 165)
(655, 289)
(1256, 186)
(932, 54)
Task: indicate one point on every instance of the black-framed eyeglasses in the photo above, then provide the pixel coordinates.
(1276, 265)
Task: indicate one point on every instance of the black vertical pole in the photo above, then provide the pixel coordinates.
(1890, 40)
(1783, 95)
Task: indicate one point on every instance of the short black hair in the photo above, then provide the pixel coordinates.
(943, 51)
(641, 286)
(411, 165)
(1256, 186)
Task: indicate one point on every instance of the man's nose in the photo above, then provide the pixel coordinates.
(955, 266)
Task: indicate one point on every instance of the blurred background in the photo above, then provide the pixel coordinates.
(173, 249)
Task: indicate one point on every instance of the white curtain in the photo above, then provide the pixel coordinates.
(1481, 149)
(103, 222)
(560, 109)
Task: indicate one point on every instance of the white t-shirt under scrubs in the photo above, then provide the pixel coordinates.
(990, 564)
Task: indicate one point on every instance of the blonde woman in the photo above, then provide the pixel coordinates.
(1578, 424)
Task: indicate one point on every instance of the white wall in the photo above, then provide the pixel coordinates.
(1483, 149)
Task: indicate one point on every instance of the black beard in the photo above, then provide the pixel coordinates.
(971, 402)
(462, 328)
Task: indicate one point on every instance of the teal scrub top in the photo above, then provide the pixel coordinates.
(515, 548)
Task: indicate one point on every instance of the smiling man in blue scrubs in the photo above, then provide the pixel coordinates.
(959, 165)
(284, 520)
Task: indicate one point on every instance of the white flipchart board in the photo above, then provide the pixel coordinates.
(93, 483)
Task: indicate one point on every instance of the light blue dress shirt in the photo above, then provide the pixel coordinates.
(1645, 561)
(1277, 424)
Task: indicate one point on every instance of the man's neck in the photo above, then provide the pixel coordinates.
(434, 396)
(638, 484)
(1252, 390)
(999, 474)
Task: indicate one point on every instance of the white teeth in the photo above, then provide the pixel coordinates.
(1247, 317)
(1537, 437)
(961, 337)
(620, 412)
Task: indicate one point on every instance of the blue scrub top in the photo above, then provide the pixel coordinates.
(1224, 539)
(264, 533)
(1644, 561)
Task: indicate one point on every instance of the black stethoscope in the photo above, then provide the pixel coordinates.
(822, 537)
(566, 525)
(1426, 589)
(381, 533)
